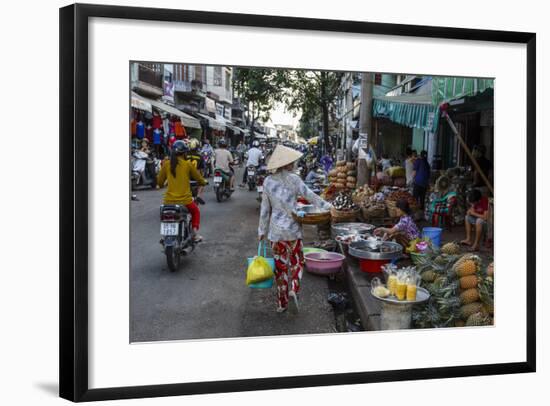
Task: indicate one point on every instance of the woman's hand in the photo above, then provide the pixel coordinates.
(261, 237)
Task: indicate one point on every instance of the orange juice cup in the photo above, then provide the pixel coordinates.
(411, 292)
(401, 290)
(392, 283)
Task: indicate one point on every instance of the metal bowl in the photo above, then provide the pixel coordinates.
(384, 250)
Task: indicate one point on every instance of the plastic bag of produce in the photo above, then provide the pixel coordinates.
(259, 269)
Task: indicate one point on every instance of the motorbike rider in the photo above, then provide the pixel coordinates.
(178, 172)
(223, 161)
(195, 158)
(254, 157)
(207, 150)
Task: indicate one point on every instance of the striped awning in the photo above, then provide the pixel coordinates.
(445, 89)
(409, 110)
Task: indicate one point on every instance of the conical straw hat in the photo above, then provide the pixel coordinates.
(282, 156)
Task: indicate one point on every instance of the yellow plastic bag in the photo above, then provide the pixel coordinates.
(259, 270)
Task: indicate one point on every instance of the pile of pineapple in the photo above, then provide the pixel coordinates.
(461, 290)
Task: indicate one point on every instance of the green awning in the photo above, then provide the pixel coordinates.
(409, 110)
(445, 89)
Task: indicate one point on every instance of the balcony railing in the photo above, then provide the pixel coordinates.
(150, 76)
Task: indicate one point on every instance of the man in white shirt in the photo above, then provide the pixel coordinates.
(223, 161)
(254, 157)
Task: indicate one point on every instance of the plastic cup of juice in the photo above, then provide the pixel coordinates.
(401, 290)
(411, 292)
(392, 283)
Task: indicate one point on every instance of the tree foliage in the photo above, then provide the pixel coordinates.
(314, 93)
(259, 89)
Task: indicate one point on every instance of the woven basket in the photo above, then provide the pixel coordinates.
(341, 216)
(313, 219)
(371, 212)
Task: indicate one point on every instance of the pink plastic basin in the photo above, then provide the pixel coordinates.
(324, 263)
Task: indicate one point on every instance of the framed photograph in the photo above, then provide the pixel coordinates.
(239, 193)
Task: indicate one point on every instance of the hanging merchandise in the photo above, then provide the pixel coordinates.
(140, 130)
(179, 130)
(157, 121)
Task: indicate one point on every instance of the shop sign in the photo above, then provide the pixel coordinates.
(219, 109)
(210, 105)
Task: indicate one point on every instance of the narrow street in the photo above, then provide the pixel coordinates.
(208, 297)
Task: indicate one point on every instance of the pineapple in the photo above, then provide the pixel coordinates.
(428, 276)
(491, 269)
(469, 309)
(468, 282)
(468, 267)
(451, 248)
(479, 319)
(440, 260)
(460, 323)
(469, 296)
(489, 309)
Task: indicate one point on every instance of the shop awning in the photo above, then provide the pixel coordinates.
(409, 110)
(213, 123)
(445, 89)
(187, 120)
(259, 135)
(138, 102)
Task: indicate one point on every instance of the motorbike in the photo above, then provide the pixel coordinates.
(207, 159)
(251, 177)
(222, 185)
(144, 170)
(176, 232)
(261, 175)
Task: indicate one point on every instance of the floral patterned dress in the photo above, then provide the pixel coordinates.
(281, 191)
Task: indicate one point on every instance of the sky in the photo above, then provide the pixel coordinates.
(280, 116)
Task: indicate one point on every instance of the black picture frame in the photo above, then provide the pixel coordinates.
(73, 279)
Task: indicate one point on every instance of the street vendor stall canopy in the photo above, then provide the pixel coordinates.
(445, 89)
(410, 110)
(421, 109)
(213, 123)
(140, 103)
(187, 120)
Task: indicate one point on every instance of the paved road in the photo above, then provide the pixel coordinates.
(207, 297)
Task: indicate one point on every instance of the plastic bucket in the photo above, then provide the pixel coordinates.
(372, 265)
(434, 234)
(267, 283)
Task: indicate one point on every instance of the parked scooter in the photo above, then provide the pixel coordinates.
(144, 170)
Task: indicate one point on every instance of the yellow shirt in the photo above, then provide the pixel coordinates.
(179, 188)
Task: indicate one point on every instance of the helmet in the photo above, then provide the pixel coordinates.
(222, 142)
(193, 144)
(256, 143)
(180, 147)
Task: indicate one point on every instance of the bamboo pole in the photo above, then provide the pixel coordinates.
(468, 152)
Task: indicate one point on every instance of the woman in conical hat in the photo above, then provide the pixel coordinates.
(281, 191)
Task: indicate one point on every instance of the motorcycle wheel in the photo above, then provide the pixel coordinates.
(251, 186)
(172, 258)
(219, 194)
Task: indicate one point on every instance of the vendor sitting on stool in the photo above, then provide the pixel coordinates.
(476, 216)
(405, 230)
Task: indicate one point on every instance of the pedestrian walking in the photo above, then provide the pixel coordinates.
(281, 191)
